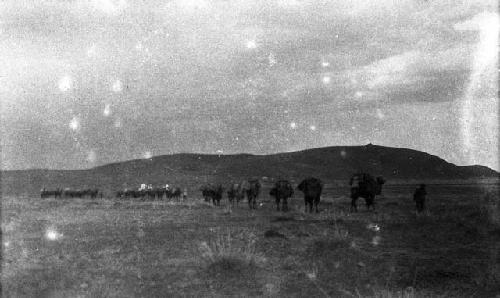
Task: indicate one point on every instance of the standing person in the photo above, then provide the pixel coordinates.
(419, 198)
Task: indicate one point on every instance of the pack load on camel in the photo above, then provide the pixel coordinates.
(366, 186)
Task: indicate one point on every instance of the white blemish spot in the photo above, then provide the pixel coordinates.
(65, 83)
(326, 80)
(147, 155)
(117, 86)
(312, 127)
(293, 125)
(107, 110)
(251, 44)
(53, 235)
(343, 154)
(373, 227)
(325, 64)
(74, 124)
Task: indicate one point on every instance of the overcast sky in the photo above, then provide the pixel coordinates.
(88, 82)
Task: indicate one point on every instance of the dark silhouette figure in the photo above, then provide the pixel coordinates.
(282, 191)
(252, 190)
(44, 193)
(235, 194)
(366, 186)
(419, 198)
(312, 188)
(206, 192)
(214, 192)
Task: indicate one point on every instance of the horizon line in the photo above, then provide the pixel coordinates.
(232, 154)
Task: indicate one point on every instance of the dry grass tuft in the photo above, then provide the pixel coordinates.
(230, 247)
(231, 262)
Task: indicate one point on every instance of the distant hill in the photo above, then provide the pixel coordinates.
(331, 164)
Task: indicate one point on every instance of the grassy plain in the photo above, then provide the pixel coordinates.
(131, 248)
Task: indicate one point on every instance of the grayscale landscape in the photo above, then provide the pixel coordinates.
(142, 247)
(249, 148)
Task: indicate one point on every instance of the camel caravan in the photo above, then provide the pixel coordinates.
(70, 193)
(147, 191)
(362, 185)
